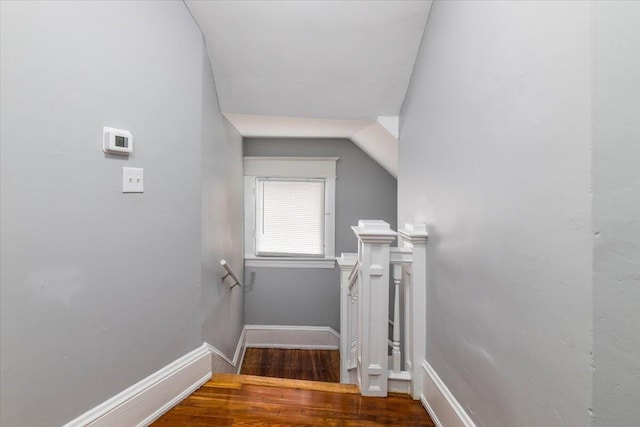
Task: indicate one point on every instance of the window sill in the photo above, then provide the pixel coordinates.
(252, 261)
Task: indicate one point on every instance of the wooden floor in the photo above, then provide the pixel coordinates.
(295, 388)
(243, 400)
(314, 365)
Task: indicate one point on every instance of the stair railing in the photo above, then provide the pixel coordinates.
(354, 315)
(348, 263)
(413, 238)
(401, 259)
(374, 240)
(364, 310)
(230, 272)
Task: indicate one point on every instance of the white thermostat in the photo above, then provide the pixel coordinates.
(117, 141)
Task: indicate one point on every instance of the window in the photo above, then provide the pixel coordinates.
(289, 217)
(289, 211)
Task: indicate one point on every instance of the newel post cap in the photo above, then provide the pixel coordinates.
(347, 260)
(414, 233)
(374, 231)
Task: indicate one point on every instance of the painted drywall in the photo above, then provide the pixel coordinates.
(100, 288)
(313, 59)
(311, 297)
(379, 139)
(616, 213)
(222, 222)
(495, 157)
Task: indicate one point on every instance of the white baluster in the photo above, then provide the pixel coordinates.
(346, 262)
(395, 351)
(353, 352)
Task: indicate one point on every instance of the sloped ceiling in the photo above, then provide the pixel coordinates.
(373, 137)
(314, 68)
(349, 60)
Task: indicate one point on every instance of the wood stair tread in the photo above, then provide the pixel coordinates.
(282, 382)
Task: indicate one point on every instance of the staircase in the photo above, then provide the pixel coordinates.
(244, 400)
(376, 360)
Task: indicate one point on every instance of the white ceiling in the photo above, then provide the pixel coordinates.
(348, 60)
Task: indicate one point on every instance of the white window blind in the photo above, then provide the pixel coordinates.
(290, 217)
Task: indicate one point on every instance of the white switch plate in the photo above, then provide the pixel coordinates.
(132, 180)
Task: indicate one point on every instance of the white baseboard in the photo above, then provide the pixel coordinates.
(399, 382)
(147, 400)
(299, 337)
(442, 406)
(221, 363)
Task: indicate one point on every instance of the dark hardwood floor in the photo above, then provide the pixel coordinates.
(313, 365)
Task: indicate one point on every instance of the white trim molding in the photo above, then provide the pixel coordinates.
(221, 363)
(442, 406)
(289, 262)
(144, 402)
(257, 167)
(290, 167)
(299, 337)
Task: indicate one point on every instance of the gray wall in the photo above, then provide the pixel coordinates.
(495, 157)
(616, 213)
(364, 190)
(222, 222)
(99, 288)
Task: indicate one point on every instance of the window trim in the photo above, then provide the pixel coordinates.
(291, 168)
(289, 262)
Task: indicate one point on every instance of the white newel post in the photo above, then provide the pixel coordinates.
(415, 236)
(346, 262)
(374, 239)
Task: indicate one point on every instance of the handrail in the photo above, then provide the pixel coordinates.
(401, 255)
(353, 275)
(353, 313)
(230, 272)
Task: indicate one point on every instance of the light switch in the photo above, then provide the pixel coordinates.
(132, 180)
